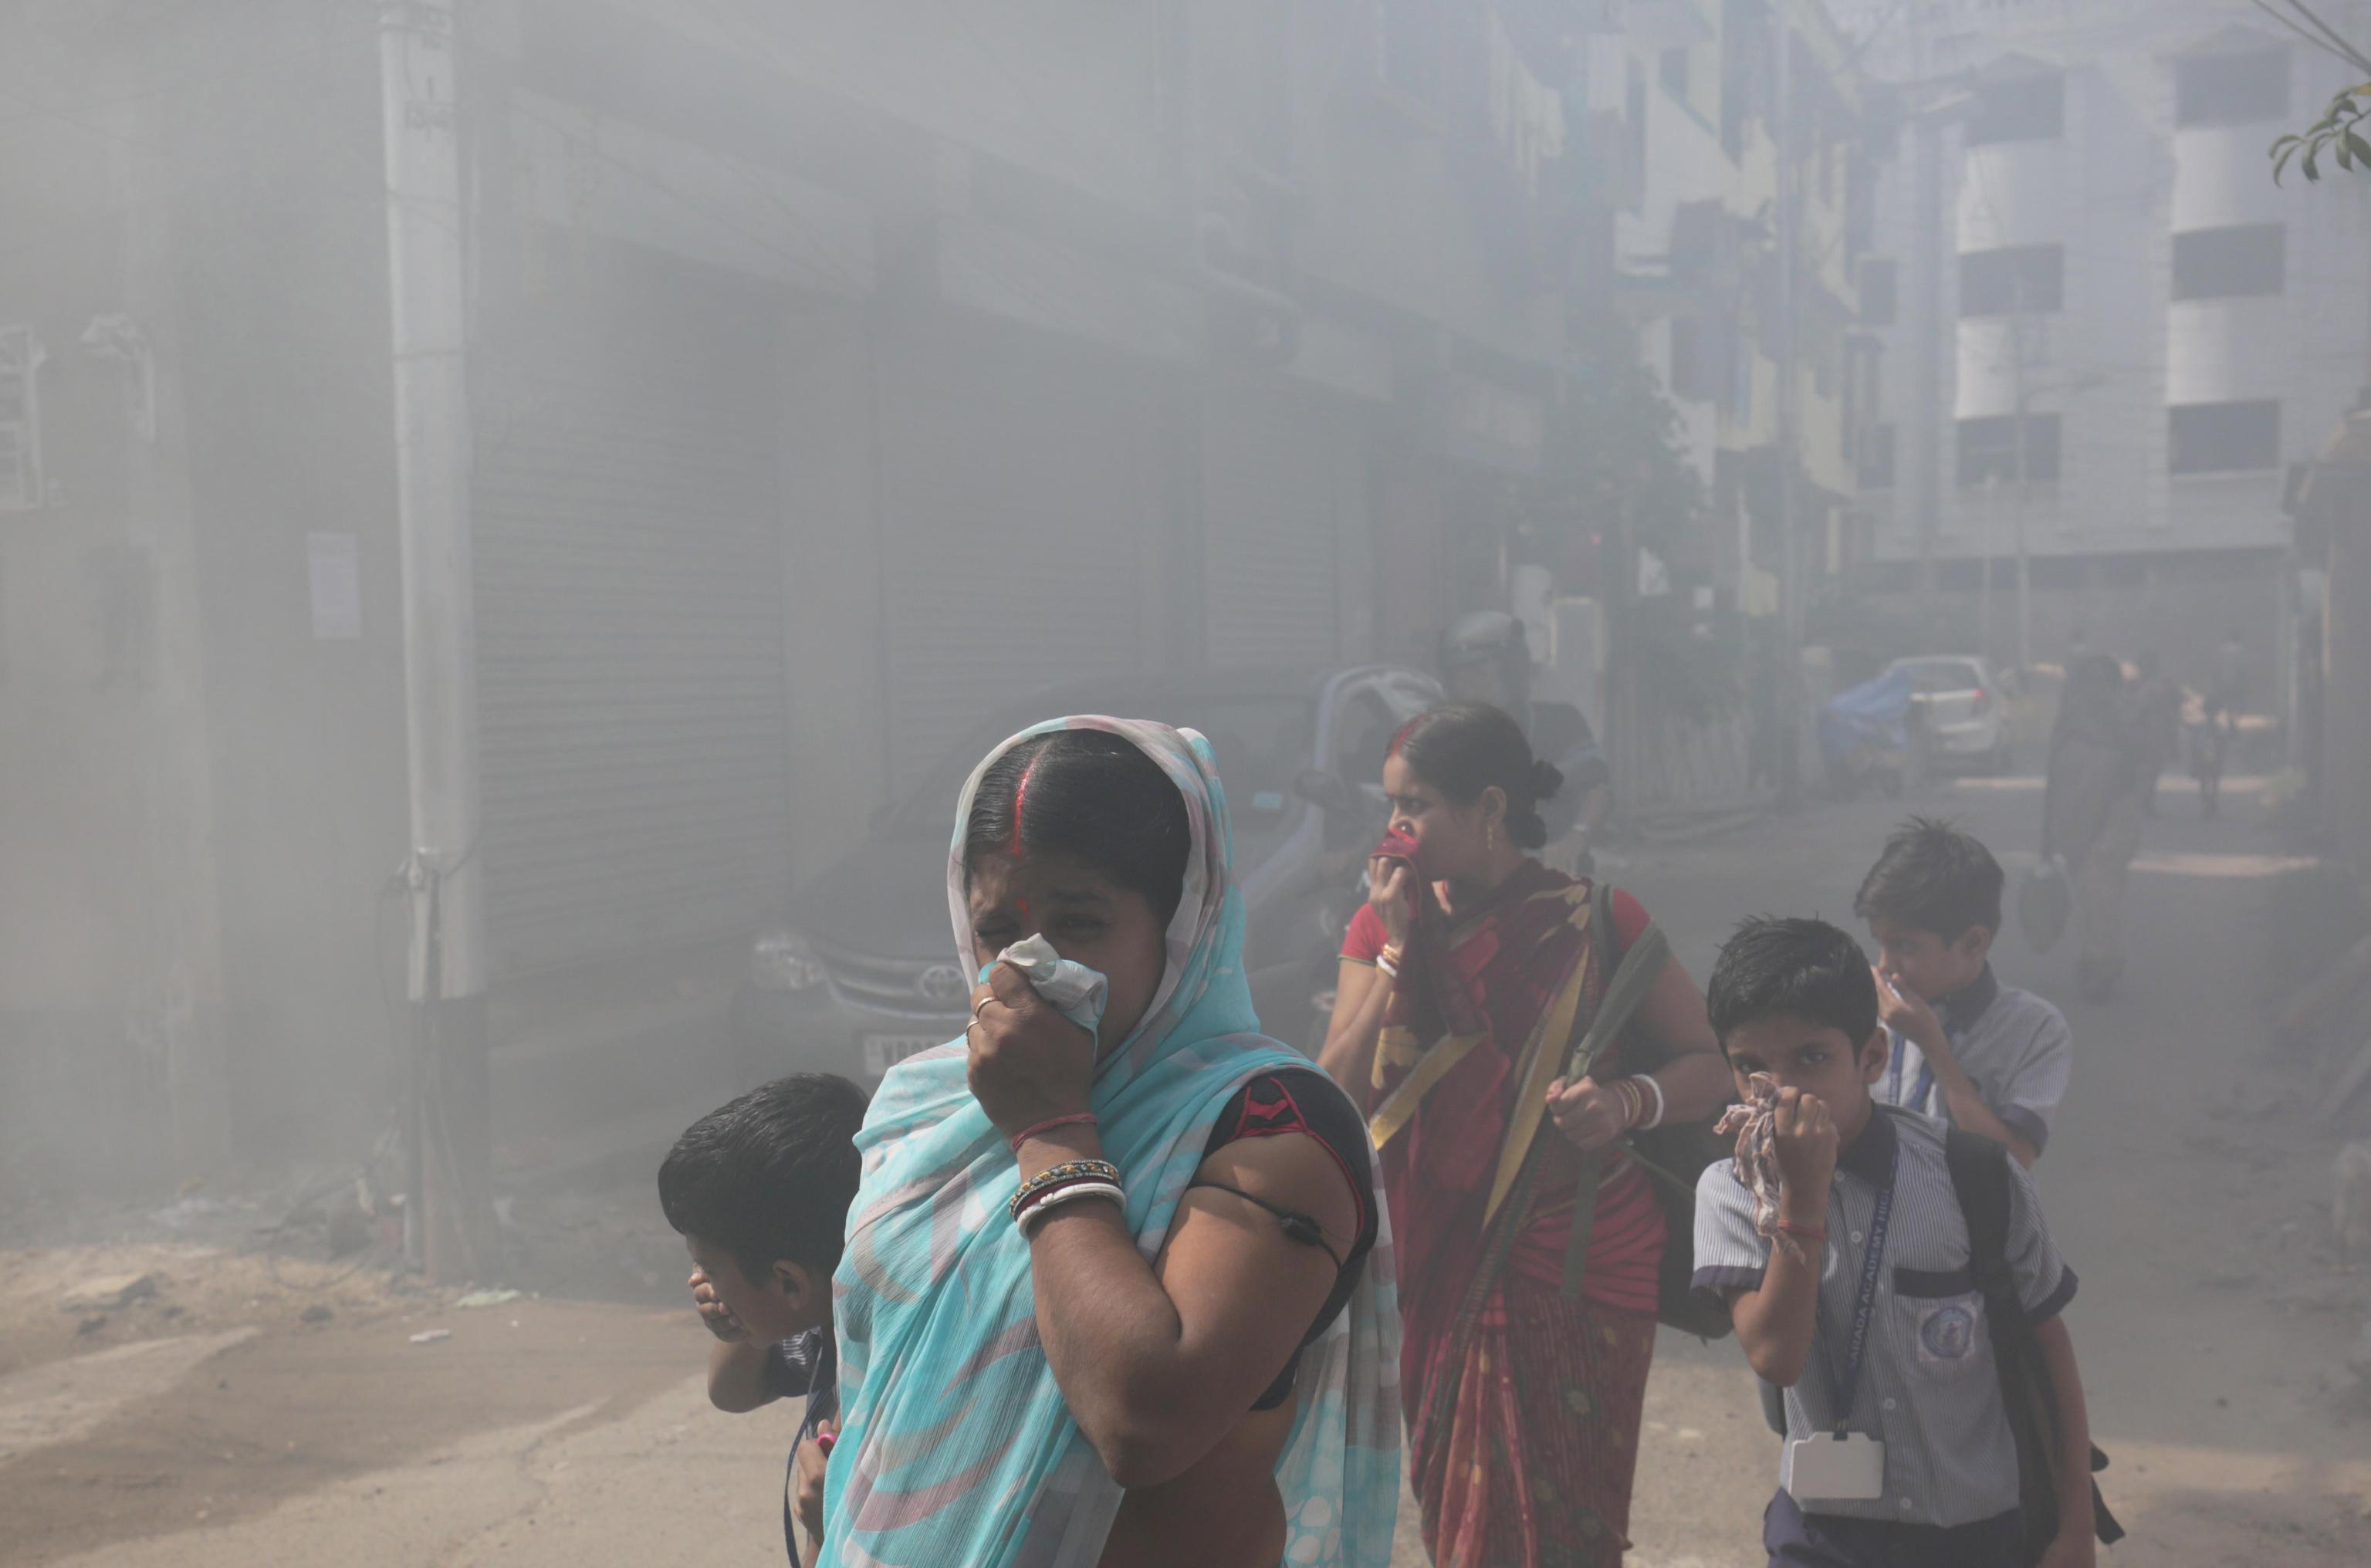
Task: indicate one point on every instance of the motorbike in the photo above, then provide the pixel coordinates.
(1869, 732)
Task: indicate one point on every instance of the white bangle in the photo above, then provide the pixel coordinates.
(1060, 1195)
(1387, 966)
(1657, 1119)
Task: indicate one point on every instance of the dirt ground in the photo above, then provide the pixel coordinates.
(221, 1417)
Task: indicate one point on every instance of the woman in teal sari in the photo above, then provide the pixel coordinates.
(1092, 1311)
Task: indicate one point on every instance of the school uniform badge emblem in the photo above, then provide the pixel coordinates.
(1947, 1333)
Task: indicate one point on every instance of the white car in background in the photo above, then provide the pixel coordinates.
(1962, 717)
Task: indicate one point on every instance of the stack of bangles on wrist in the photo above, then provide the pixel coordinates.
(1058, 1184)
(1635, 1092)
(1388, 961)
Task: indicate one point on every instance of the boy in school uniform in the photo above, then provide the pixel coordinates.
(1857, 1297)
(1966, 1050)
(760, 1190)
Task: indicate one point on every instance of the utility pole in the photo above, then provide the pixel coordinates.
(2024, 479)
(1791, 588)
(1985, 586)
(1928, 328)
(448, 1229)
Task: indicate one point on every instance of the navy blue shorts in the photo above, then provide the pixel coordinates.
(1796, 1539)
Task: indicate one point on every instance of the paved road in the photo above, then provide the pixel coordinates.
(2180, 1184)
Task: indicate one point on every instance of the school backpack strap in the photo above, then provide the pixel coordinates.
(1978, 1167)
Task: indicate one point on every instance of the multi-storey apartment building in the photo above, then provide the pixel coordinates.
(2106, 333)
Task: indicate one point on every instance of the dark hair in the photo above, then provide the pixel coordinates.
(1793, 968)
(769, 1176)
(1463, 748)
(1932, 877)
(1090, 794)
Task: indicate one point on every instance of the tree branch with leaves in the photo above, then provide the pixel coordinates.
(2337, 132)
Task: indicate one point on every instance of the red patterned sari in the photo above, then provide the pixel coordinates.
(1522, 1371)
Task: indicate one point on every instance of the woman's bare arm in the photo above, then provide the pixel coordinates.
(1159, 1362)
(1361, 996)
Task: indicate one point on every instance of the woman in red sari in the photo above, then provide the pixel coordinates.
(1466, 981)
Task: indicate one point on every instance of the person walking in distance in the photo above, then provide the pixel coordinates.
(2091, 813)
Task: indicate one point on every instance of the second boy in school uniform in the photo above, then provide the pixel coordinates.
(1966, 1049)
(1859, 1296)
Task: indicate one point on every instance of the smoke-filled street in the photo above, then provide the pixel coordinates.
(1186, 783)
(2213, 1315)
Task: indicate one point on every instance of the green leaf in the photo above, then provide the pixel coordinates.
(2311, 173)
(2281, 162)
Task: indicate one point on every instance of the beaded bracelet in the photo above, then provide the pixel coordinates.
(1055, 1175)
(1053, 1197)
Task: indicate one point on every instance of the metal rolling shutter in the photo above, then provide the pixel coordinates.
(632, 699)
(1014, 503)
(1269, 512)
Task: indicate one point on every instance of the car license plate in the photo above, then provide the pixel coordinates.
(883, 1052)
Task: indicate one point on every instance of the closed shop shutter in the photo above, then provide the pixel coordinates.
(631, 702)
(1269, 520)
(1016, 502)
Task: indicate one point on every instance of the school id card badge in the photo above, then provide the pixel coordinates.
(1834, 1466)
(1843, 1466)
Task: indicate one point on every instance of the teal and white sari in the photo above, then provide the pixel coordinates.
(956, 1447)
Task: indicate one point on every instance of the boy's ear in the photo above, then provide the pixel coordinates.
(798, 1285)
(1874, 1054)
(1975, 943)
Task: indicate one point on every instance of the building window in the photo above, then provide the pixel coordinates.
(2231, 89)
(1878, 299)
(1673, 72)
(2016, 278)
(1697, 373)
(1876, 456)
(2224, 438)
(2243, 260)
(20, 420)
(2022, 108)
(1988, 449)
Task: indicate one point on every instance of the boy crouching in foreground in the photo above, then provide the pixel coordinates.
(1858, 1296)
(760, 1190)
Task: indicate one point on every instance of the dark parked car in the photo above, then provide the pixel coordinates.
(862, 972)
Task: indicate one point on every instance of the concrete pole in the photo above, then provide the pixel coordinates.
(451, 1227)
(1985, 587)
(1788, 232)
(2016, 323)
(1929, 332)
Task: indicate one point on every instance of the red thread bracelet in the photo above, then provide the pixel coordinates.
(1075, 1119)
